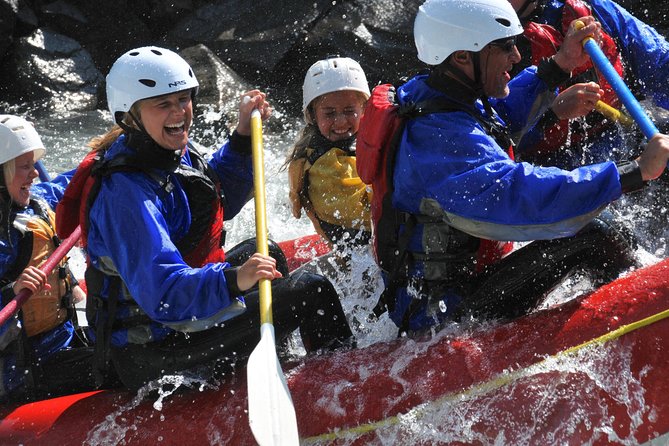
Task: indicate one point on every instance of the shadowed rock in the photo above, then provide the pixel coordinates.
(52, 67)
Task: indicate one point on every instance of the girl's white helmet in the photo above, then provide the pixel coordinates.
(144, 73)
(333, 74)
(445, 26)
(18, 136)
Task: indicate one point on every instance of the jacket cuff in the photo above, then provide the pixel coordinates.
(550, 72)
(7, 293)
(548, 119)
(240, 143)
(631, 179)
(231, 280)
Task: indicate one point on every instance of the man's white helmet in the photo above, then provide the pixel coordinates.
(445, 26)
(144, 73)
(18, 136)
(333, 74)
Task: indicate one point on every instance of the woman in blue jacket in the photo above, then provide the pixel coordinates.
(455, 183)
(163, 296)
(42, 354)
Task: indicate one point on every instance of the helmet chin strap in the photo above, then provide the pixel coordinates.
(148, 150)
(475, 85)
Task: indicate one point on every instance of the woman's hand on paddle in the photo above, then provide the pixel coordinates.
(33, 279)
(256, 268)
(654, 158)
(577, 100)
(572, 54)
(249, 101)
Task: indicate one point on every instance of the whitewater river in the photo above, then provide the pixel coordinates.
(646, 214)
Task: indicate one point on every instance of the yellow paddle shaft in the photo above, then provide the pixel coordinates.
(264, 285)
(613, 114)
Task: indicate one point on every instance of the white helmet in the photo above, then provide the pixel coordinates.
(18, 136)
(445, 26)
(333, 74)
(144, 73)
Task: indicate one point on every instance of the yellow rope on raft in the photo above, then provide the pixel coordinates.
(485, 387)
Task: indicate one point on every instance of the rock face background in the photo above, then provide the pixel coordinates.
(54, 54)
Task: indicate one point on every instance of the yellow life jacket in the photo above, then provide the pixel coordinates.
(334, 191)
(45, 310)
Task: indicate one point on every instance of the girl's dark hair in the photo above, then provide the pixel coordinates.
(301, 144)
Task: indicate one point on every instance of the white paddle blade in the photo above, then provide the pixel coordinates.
(271, 412)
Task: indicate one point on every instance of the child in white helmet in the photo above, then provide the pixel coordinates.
(36, 346)
(321, 165)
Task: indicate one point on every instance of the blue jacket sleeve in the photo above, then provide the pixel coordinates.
(132, 233)
(528, 97)
(644, 50)
(468, 180)
(235, 172)
(52, 191)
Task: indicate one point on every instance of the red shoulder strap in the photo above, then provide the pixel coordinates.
(71, 207)
(377, 127)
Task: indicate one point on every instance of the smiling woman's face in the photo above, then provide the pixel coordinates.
(168, 118)
(24, 174)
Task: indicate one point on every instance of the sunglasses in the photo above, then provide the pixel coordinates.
(507, 44)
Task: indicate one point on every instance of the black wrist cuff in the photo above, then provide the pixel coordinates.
(240, 143)
(548, 119)
(630, 176)
(7, 293)
(550, 72)
(231, 280)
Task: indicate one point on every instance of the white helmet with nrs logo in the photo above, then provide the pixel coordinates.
(145, 73)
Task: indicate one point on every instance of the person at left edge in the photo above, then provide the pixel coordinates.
(42, 352)
(163, 297)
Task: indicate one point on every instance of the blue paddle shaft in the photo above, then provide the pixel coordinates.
(631, 104)
(43, 174)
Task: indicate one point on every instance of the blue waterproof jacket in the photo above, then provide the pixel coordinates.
(448, 167)
(58, 338)
(134, 223)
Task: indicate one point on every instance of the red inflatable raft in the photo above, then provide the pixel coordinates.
(591, 371)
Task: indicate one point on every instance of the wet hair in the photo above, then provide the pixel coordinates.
(103, 142)
(301, 144)
(8, 172)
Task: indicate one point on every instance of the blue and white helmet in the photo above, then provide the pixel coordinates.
(145, 73)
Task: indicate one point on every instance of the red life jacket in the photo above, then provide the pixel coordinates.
(545, 40)
(381, 128)
(202, 243)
